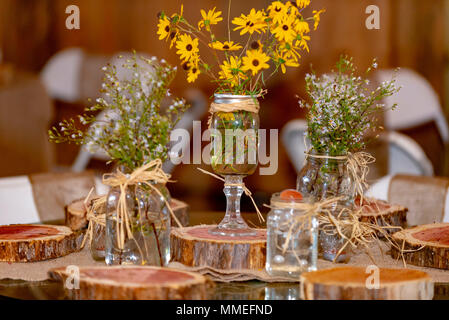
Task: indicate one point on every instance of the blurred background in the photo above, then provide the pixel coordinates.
(47, 72)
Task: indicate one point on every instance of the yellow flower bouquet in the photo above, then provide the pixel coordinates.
(275, 37)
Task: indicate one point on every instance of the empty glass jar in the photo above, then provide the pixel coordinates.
(292, 238)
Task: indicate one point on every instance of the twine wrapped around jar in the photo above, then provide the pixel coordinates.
(345, 222)
(150, 172)
(249, 105)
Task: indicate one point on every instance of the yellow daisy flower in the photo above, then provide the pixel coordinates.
(302, 3)
(256, 45)
(303, 43)
(225, 46)
(290, 50)
(193, 73)
(187, 47)
(285, 30)
(292, 8)
(302, 27)
(231, 71)
(287, 60)
(209, 19)
(174, 37)
(276, 10)
(253, 22)
(255, 60)
(163, 28)
(316, 17)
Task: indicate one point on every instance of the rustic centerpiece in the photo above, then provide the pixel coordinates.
(339, 118)
(129, 124)
(275, 38)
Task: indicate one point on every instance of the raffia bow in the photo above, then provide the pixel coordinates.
(146, 175)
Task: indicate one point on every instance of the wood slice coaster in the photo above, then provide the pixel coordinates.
(382, 213)
(196, 247)
(429, 245)
(134, 283)
(349, 283)
(75, 213)
(29, 242)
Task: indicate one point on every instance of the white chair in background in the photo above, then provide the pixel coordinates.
(418, 103)
(405, 155)
(62, 73)
(292, 136)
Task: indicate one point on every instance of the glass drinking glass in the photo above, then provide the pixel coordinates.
(234, 138)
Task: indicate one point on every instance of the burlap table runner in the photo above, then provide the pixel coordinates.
(37, 271)
(359, 259)
(425, 197)
(53, 191)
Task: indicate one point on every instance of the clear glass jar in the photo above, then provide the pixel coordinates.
(149, 220)
(300, 253)
(323, 178)
(97, 245)
(234, 145)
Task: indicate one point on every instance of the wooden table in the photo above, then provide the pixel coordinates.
(250, 290)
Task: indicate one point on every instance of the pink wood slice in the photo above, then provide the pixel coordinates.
(28, 243)
(426, 245)
(382, 213)
(134, 283)
(350, 283)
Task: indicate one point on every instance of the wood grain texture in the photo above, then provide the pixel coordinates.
(349, 283)
(150, 283)
(40, 248)
(382, 213)
(193, 247)
(433, 252)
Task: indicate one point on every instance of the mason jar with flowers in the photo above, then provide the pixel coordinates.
(273, 39)
(341, 113)
(129, 124)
